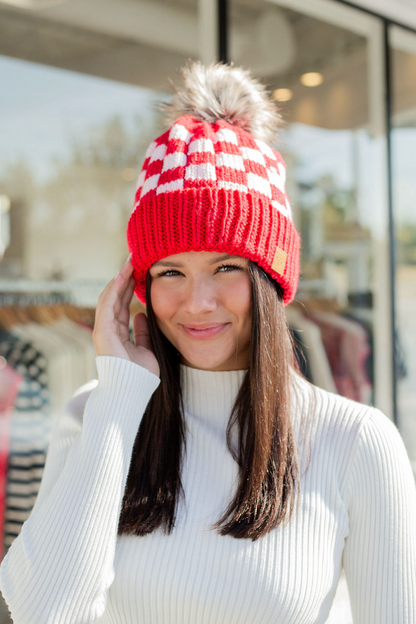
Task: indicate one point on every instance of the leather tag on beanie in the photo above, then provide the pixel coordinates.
(279, 261)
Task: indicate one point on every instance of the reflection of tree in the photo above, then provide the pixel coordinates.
(18, 184)
(84, 205)
(113, 144)
(17, 180)
(340, 204)
(330, 210)
(329, 216)
(98, 179)
(406, 247)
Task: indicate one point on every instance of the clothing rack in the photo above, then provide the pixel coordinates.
(46, 343)
(78, 292)
(41, 308)
(48, 305)
(26, 285)
(23, 299)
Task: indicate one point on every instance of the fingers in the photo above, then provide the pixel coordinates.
(126, 289)
(129, 286)
(127, 272)
(141, 331)
(111, 333)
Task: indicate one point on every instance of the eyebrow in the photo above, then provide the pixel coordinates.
(169, 263)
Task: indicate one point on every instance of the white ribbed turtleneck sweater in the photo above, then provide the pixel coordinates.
(357, 510)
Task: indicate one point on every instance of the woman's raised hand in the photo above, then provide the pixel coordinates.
(111, 333)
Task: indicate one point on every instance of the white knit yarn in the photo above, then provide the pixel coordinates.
(358, 509)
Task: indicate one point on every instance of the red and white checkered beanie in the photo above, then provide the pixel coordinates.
(213, 186)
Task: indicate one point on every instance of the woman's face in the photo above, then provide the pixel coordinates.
(202, 303)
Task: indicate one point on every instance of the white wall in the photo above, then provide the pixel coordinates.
(403, 11)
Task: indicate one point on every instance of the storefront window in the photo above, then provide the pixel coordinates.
(323, 63)
(77, 115)
(318, 71)
(403, 50)
(68, 165)
(78, 111)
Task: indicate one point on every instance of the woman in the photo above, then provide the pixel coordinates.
(201, 479)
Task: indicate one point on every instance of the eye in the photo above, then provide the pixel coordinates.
(233, 267)
(173, 272)
(162, 273)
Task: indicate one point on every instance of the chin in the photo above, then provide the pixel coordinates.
(204, 361)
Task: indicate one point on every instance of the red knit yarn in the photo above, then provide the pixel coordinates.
(213, 187)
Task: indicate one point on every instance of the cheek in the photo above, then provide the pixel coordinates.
(163, 303)
(238, 298)
(235, 296)
(159, 303)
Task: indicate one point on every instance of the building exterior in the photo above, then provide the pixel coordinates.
(80, 83)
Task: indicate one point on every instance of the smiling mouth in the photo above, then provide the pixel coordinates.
(208, 332)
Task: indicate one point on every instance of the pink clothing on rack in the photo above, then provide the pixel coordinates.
(10, 381)
(347, 347)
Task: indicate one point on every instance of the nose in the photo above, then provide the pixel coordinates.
(200, 297)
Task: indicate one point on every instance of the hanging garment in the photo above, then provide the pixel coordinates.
(55, 359)
(347, 347)
(313, 348)
(29, 433)
(59, 356)
(80, 336)
(367, 325)
(10, 381)
(69, 350)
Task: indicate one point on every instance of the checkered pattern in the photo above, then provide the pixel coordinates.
(213, 187)
(192, 155)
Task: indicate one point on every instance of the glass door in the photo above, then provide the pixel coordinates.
(323, 63)
(78, 112)
(403, 56)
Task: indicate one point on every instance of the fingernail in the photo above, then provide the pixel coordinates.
(128, 258)
(117, 274)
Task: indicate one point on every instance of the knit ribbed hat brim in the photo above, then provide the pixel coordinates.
(212, 219)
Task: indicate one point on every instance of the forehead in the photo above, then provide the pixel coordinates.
(202, 257)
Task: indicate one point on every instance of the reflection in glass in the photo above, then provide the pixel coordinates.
(77, 115)
(318, 73)
(404, 189)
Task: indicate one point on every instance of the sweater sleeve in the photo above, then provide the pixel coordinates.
(380, 551)
(61, 565)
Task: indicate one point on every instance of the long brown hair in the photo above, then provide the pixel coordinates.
(266, 456)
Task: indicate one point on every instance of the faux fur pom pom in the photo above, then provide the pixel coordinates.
(220, 91)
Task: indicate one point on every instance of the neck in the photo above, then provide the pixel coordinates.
(240, 361)
(210, 395)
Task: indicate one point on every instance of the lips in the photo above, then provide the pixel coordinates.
(206, 330)
(204, 326)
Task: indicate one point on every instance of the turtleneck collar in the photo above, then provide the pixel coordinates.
(210, 395)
